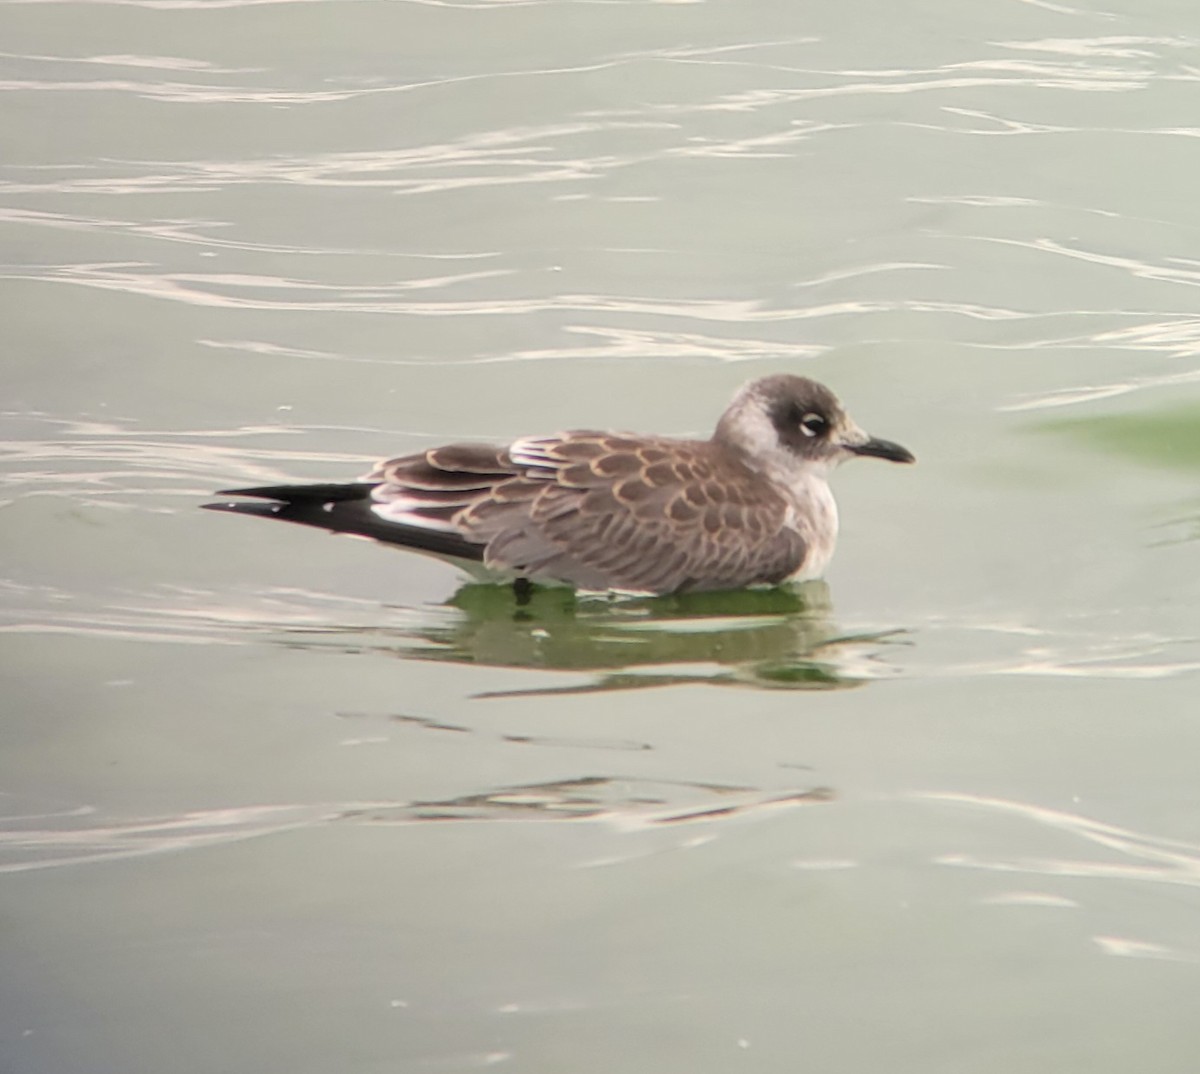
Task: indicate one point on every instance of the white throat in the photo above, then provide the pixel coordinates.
(813, 514)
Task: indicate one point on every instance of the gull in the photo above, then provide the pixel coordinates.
(603, 511)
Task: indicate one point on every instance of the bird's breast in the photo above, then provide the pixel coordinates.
(812, 513)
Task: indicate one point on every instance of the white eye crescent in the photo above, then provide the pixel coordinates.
(812, 424)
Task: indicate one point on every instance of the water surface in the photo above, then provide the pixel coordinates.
(274, 801)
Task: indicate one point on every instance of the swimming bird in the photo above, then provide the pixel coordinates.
(750, 506)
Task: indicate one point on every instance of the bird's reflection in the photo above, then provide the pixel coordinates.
(778, 638)
(631, 803)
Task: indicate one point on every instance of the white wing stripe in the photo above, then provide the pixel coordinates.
(403, 514)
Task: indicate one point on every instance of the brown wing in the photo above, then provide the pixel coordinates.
(614, 512)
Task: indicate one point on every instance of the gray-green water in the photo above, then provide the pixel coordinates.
(276, 802)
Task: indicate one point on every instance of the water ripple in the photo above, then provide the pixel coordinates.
(189, 232)
(612, 344)
(486, 158)
(1152, 858)
(250, 291)
(206, 5)
(1128, 47)
(102, 459)
(156, 63)
(1050, 649)
(81, 836)
(1170, 270)
(1179, 341)
(246, 290)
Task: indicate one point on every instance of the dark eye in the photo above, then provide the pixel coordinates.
(813, 425)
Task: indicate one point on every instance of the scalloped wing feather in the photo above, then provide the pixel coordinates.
(600, 511)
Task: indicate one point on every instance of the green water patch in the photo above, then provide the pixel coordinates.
(1168, 437)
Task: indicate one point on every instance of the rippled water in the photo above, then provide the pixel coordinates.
(266, 798)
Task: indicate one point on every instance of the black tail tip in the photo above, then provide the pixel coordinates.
(263, 509)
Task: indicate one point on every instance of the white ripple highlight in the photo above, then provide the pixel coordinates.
(191, 233)
(1139, 856)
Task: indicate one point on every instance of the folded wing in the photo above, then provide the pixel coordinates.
(597, 511)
